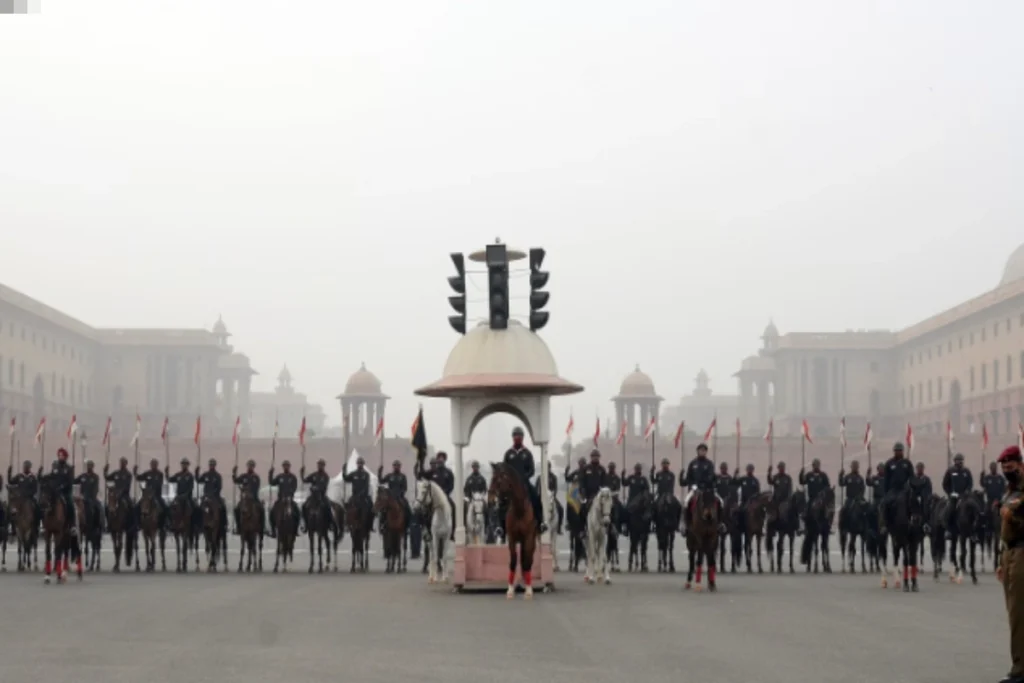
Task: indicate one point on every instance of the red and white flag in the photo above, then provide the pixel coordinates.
(867, 437)
(238, 430)
(805, 430)
(769, 433)
(679, 434)
(379, 433)
(199, 428)
(164, 430)
(569, 427)
(106, 433)
(302, 433)
(984, 436)
(949, 434)
(138, 430)
(910, 439)
(712, 429)
(622, 433)
(40, 432)
(842, 432)
(649, 432)
(13, 424)
(597, 432)
(73, 427)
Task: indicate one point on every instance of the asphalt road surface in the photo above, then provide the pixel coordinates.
(377, 627)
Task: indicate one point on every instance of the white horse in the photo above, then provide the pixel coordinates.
(475, 521)
(429, 495)
(598, 520)
(552, 516)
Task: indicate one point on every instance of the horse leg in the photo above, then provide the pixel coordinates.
(974, 574)
(712, 572)
(46, 568)
(512, 559)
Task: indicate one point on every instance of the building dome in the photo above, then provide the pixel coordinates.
(1014, 267)
(770, 332)
(637, 383)
(362, 383)
(284, 377)
(514, 359)
(219, 328)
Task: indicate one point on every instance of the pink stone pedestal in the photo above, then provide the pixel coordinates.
(486, 567)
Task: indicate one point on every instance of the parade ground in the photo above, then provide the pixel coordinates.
(384, 628)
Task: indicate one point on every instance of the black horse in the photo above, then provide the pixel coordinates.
(783, 522)
(853, 525)
(668, 511)
(640, 512)
(818, 529)
(907, 533)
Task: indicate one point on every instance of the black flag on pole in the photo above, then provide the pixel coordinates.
(419, 441)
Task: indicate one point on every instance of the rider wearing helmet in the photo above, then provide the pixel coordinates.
(26, 485)
(520, 459)
(287, 484)
(152, 481)
(89, 486)
(318, 482)
(699, 475)
(816, 482)
(898, 473)
(956, 483)
(249, 482)
(212, 487)
(853, 483)
(475, 482)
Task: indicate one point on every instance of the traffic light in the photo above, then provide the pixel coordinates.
(497, 285)
(538, 298)
(458, 283)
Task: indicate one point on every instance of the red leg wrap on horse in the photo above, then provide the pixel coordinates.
(913, 572)
(511, 576)
(700, 570)
(711, 574)
(47, 567)
(528, 578)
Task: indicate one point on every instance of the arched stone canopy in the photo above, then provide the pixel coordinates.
(362, 404)
(637, 402)
(501, 407)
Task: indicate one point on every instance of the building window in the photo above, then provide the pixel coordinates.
(939, 392)
(21, 375)
(80, 395)
(972, 379)
(984, 376)
(920, 393)
(1021, 364)
(920, 357)
(995, 330)
(995, 374)
(929, 391)
(1009, 369)
(1007, 325)
(53, 384)
(72, 353)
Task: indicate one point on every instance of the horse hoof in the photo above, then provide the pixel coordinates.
(712, 588)
(698, 588)
(906, 588)
(687, 586)
(885, 584)
(275, 570)
(46, 580)
(959, 580)
(511, 594)
(896, 583)
(974, 580)
(529, 593)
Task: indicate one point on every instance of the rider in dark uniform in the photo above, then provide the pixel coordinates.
(876, 482)
(781, 483)
(898, 473)
(994, 485)
(637, 484)
(398, 485)
(663, 481)
(612, 479)
(184, 486)
(287, 484)
(725, 487)
(815, 481)
(699, 475)
(956, 483)
(317, 482)
(921, 483)
(520, 459)
(249, 482)
(26, 484)
(360, 480)
(152, 481)
(443, 477)
(749, 485)
(592, 478)
(120, 480)
(89, 486)
(553, 492)
(853, 483)
(212, 486)
(475, 482)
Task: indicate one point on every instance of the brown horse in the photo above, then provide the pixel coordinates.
(90, 526)
(286, 524)
(511, 491)
(755, 512)
(119, 522)
(702, 537)
(57, 536)
(394, 525)
(213, 533)
(251, 532)
(153, 531)
(26, 529)
(359, 520)
(182, 514)
(318, 526)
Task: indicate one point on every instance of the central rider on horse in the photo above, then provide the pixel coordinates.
(664, 481)
(993, 484)
(62, 476)
(853, 484)
(184, 484)
(816, 482)
(898, 473)
(89, 486)
(725, 486)
(26, 484)
(700, 475)
(398, 485)
(876, 482)
(287, 484)
(317, 482)
(957, 482)
(212, 487)
(781, 483)
(120, 480)
(249, 481)
(612, 479)
(153, 483)
(360, 480)
(748, 485)
(520, 459)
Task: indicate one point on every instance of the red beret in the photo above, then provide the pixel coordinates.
(62, 451)
(1011, 454)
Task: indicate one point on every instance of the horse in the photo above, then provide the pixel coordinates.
(318, 526)
(754, 514)
(286, 523)
(91, 533)
(668, 511)
(853, 525)
(26, 529)
(818, 528)
(338, 515)
(152, 530)
(782, 522)
(599, 520)
(393, 526)
(907, 534)
(476, 519)
(702, 537)
(574, 524)
(733, 518)
(639, 512)
(612, 553)
(57, 538)
(183, 528)
(970, 520)
(5, 525)
(431, 500)
(359, 519)
(213, 533)
(250, 532)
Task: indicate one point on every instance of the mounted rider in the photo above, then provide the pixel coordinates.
(26, 485)
(184, 484)
(725, 487)
(475, 482)
(398, 485)
(612, 480)
(152, 481)
(781, 483)
(748, 485)
(120, 481)
(360, 480)
(637, 484)
(699, 475)
(213, 485)
(592, 478)
(921, 483)
(520, 459)
(61, 477)
(956, 483)
(89, 487)
(898, 473)
(317, 482)
(249, 482)
(994, 485)
(876, 482)
(663, 481)
(287, 484)
(815, 482)
(553, 492)
(853, 484)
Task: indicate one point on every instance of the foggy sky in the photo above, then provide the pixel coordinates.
(693, 169)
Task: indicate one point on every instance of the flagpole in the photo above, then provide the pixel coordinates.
(10, 460)
(737, 444)
(714, 442)
(273, 458)
(42, 446)
(625, 429)
(842, 466)
(135, 482)
(653, 441)
(199, 455)
(949, 445)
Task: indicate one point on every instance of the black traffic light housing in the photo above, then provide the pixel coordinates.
(496, 257)
(538, 298)
(458, 283)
